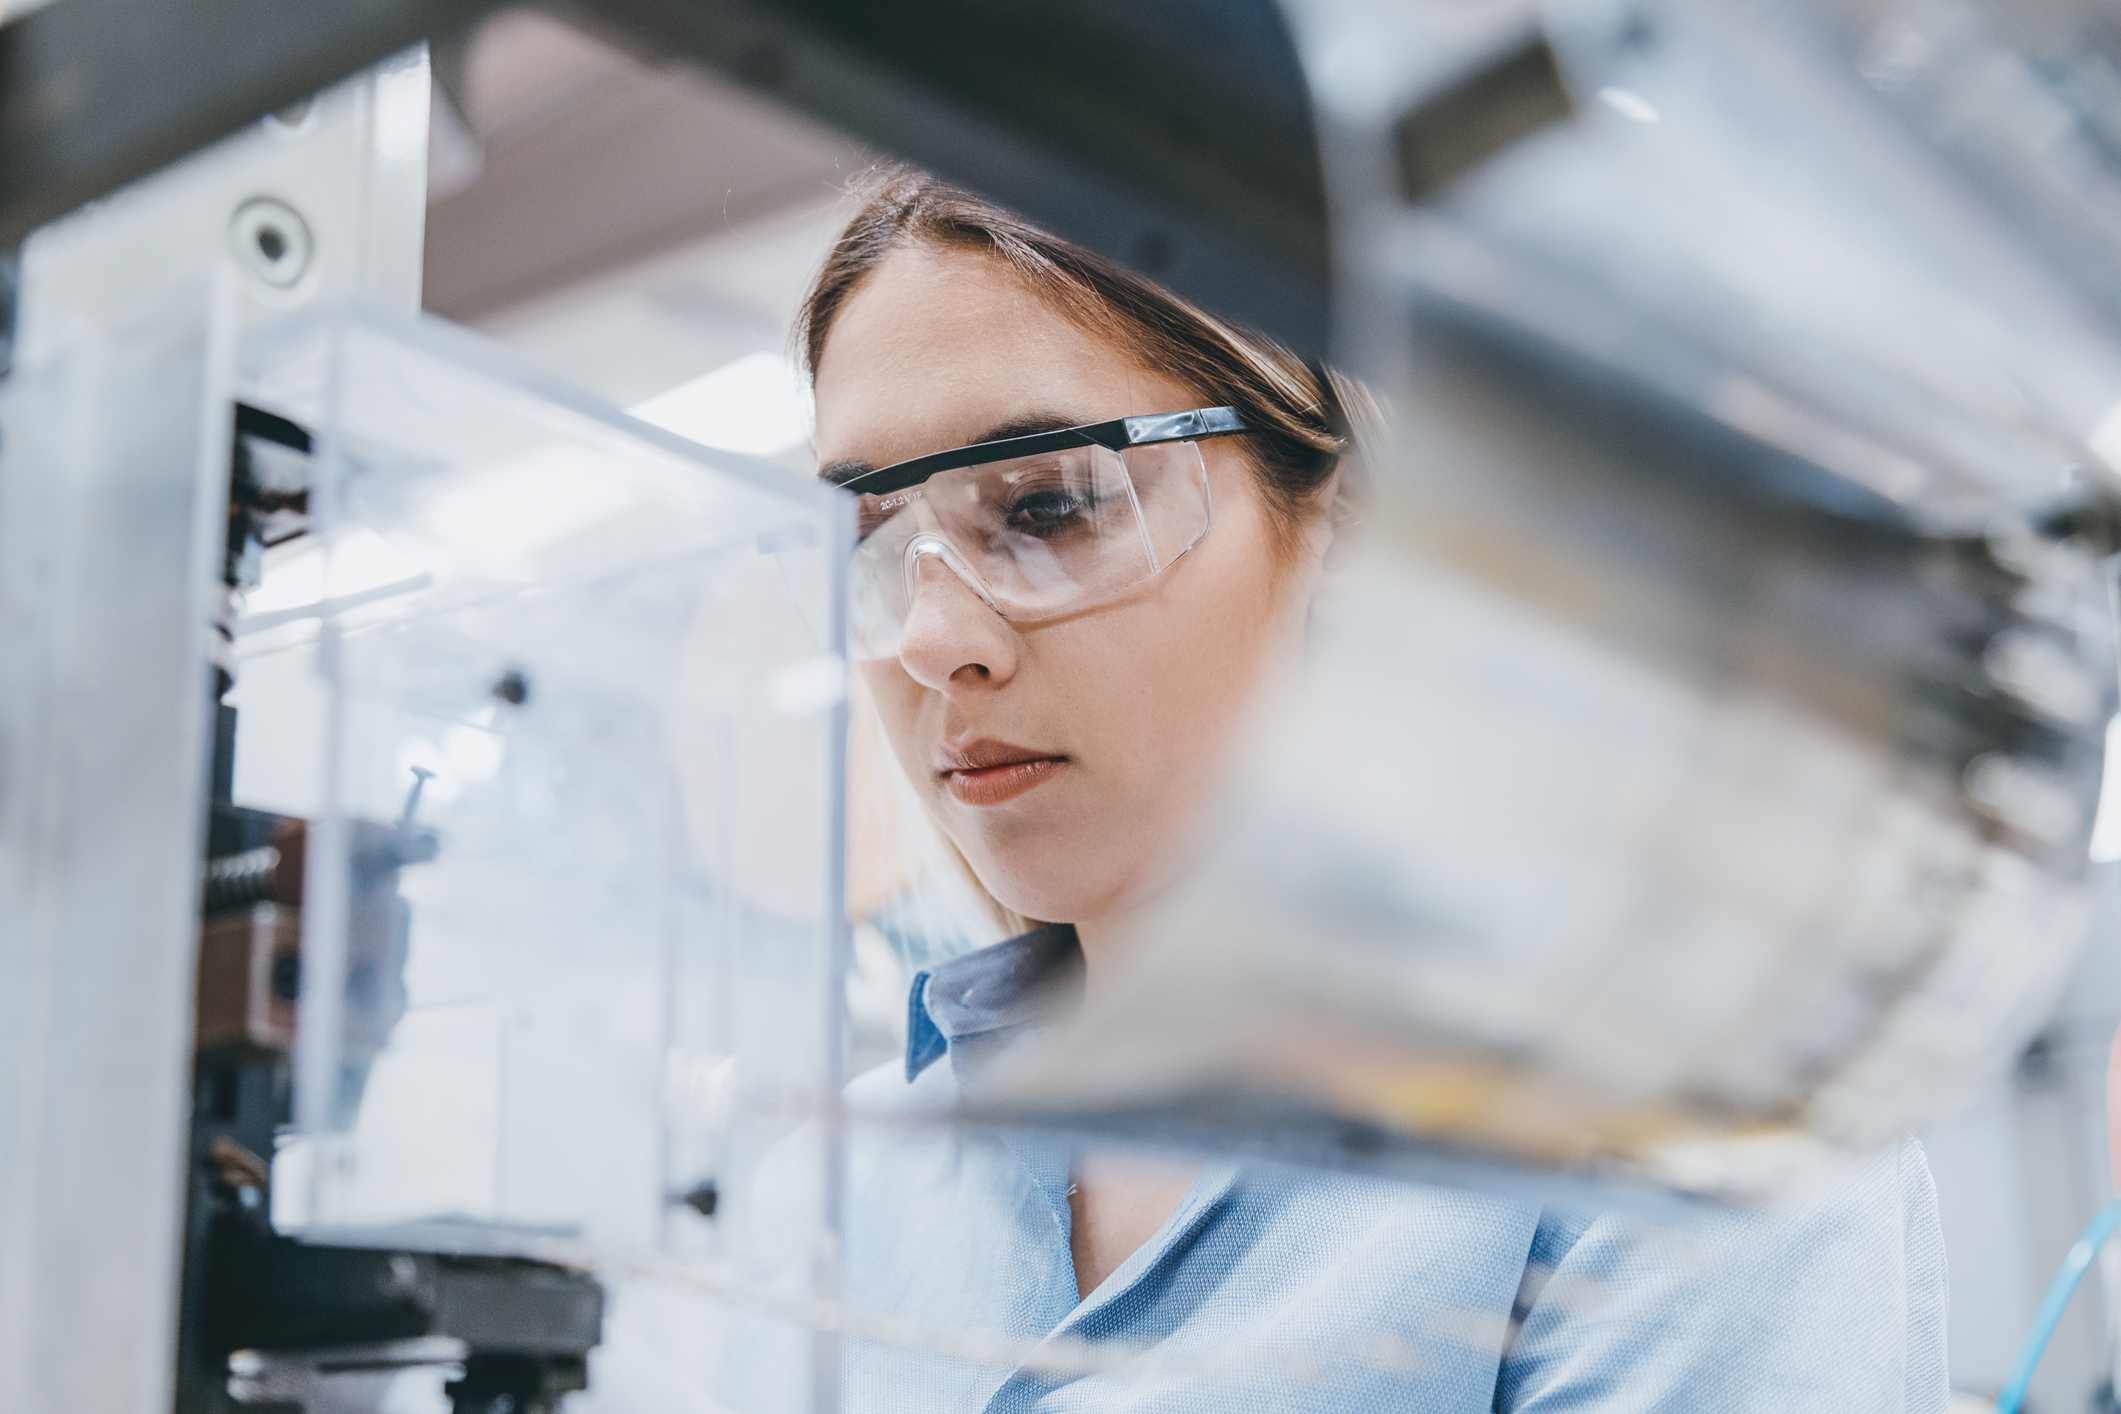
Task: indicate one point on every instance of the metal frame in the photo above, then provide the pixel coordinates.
(115, 427)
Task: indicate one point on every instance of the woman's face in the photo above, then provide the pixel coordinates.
(1064, 758)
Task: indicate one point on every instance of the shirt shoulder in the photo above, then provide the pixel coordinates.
(1838, 1304)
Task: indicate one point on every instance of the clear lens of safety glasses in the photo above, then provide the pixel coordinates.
(1035, 537)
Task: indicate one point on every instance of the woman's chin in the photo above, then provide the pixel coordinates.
(1073, 896)
(1047, 900)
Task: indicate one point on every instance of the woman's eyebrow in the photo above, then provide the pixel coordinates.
(1029, 425)
(842, 472)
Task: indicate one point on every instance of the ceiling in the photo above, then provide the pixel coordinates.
(626, 226)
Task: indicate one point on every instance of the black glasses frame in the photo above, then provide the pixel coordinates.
(1118, 435)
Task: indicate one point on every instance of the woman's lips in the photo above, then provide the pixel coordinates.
(989, 772)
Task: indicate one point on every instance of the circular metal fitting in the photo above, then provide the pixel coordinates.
(272, 241)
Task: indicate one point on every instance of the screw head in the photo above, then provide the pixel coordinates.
(272, 241)
(703, 1199)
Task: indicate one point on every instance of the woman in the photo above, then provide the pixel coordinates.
(1092, 513)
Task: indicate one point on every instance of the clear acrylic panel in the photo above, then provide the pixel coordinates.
(561, 697)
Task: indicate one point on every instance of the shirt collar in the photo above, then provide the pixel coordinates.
(973, 1006)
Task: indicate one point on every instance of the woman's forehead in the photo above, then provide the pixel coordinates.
(936, 349)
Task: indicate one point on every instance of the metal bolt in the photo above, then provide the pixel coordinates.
(420, 777)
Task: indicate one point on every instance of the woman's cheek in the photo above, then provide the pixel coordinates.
(898, 701)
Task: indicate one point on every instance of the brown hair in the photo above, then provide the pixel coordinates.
(1297, 410)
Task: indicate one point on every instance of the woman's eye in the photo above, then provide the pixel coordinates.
(1037, 511)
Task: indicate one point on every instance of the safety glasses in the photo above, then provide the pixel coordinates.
(1036, 526)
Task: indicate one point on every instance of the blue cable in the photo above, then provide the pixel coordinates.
(2058, 1293)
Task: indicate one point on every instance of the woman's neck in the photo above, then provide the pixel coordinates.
(1097, 940)
(1101, 940)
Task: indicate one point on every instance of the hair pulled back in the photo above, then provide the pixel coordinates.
(1296, 410)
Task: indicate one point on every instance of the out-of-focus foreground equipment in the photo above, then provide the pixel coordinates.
(403, 753)
(420, 784)
(1705, 738)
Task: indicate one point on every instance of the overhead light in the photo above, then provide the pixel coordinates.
(756, 405)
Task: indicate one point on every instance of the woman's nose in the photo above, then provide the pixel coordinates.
(950, 637)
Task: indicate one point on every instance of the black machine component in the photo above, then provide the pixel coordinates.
(520, 1330)
(268, 503)
(268, 498)
(1175, 138)
(1458, 129)
(10, 284)
(524, 1327)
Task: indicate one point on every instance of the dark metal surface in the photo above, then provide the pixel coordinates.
(1173, 137)
(273, 1293)
(98, 93)
(515, 1384)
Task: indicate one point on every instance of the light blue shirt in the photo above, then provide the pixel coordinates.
(1284, 1289)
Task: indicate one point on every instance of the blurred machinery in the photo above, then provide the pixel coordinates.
(515, 1331)
(1708, 737)
(1694, 789)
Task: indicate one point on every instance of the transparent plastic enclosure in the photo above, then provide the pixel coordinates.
(562, 699)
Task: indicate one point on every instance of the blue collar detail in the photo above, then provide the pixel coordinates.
(973, 1006)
